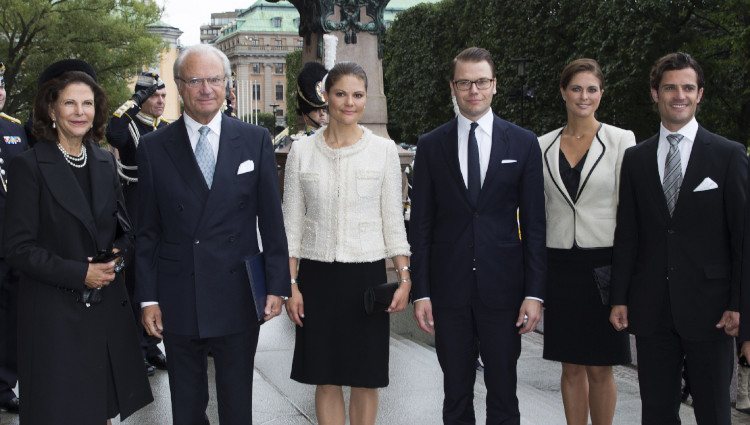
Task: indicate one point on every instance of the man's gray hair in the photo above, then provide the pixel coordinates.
(201, 49)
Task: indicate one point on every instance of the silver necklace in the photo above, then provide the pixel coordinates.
(74, 161)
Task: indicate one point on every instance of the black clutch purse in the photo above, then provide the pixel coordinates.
(379, 297)
(602, 277)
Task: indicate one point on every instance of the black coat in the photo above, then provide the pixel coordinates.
(64, 347)
(691, 260)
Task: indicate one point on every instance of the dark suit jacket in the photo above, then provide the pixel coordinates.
(50, 229)
(694, 257)
(191, 241)
(447, 233)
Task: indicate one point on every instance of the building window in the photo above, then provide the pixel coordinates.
(256, 91)
(256, 68)
(301, 42)
(278, 68)
(276, 22)
(254, 42)
(279, 42)
(279, 92)
(279, 112)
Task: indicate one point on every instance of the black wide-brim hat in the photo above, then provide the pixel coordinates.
(310, 87)
(60, 67)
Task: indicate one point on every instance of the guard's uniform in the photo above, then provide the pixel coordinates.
(127, 125)
(12, 142)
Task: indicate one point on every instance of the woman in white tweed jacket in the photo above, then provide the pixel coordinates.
(343, 216)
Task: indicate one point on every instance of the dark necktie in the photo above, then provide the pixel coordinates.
(672, 172)
(474, 181)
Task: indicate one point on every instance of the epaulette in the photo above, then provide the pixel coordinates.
(9, 118)
(164, 120)
(122, 109)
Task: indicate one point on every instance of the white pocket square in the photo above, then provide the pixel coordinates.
(508, 161)
(246, 167)
(706, 184)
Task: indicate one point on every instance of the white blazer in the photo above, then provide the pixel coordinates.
(590, 221)
(344, 204)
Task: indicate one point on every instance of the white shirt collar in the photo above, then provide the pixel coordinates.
(193, 125)
(689, 130)
(485, 122)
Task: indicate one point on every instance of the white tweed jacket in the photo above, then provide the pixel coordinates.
(590, 221)
(344, 204)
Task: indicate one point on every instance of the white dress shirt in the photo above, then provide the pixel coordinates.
(484, 140)
(213, 136)
(686, 146)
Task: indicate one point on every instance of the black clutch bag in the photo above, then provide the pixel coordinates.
(379, 297)
(602, 277)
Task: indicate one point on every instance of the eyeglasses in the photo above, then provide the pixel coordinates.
(482, 84)
(198, 82)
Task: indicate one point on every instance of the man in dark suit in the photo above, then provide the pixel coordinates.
(12, 142)
(477, 284)
(138, 116)
(677, 252)
(203, 181)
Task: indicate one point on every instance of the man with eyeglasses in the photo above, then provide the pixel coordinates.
(203, 182)
(12, 142)
(477, 285)
(140, 115)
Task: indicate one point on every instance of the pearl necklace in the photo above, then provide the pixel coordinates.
(74, 161)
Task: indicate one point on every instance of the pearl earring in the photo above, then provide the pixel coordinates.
(53, 124)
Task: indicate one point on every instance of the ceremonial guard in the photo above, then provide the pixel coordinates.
(311, 104)
(12, 142)
(135, 118)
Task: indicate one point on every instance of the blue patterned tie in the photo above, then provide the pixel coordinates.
(205, 156)
(672, 172)
(474, 181)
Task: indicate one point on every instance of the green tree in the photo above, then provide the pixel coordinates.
(293, 67)
(109, 34)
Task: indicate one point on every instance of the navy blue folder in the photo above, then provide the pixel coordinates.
(256, 274)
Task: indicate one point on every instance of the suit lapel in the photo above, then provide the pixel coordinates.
(593, 157)
(63, 185)
(227, 163)
(101, 180)
(697, 169)
(450, 151)
(552, 162)
(499, 150)
(179, 150)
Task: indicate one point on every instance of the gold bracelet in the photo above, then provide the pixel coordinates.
(294, 281)
(404, 280)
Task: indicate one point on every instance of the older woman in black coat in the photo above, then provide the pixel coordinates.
(79, 359)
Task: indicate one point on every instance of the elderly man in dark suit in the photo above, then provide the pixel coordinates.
(677, 251)
(477, 284)
(203, 181)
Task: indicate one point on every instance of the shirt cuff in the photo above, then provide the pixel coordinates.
(534, 298)
(148, 303)
(421, 299)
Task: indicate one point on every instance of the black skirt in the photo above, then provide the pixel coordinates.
(576, 322)
(339, 344)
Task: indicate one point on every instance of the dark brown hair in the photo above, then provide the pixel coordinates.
(342, 69)
(49, 93)
(473, 54)
(675, 62)
(578, 66)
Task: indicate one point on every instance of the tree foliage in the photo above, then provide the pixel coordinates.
(625, 36)
(109, 34)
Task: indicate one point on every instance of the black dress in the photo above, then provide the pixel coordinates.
(339, 343)
(576, 322)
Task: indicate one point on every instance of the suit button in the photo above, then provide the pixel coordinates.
(124, 303)
(233, 271)
(670, 231)
(242, 205)
(180, 207)
(671, 268)
(471, 245)
(231, 239)
(197, 241)
(476, 214)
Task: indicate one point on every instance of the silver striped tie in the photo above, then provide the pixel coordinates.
(672, 172)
